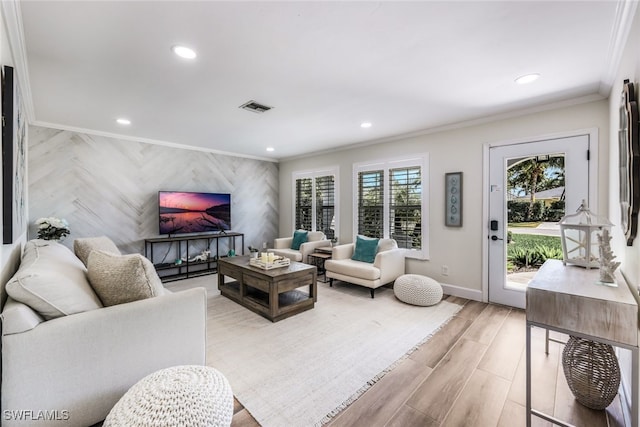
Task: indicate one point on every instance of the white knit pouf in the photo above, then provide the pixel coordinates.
(417, 290)
(178, 396)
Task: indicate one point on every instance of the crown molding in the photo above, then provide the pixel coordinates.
(625, 12)
(15, 32)
(459, 125)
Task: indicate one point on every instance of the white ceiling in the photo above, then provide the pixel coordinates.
(406, 67)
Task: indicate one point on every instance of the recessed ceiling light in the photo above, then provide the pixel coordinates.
(365, 125)
(123, 121)
(527, 78)
(270, 149)
(184, 52)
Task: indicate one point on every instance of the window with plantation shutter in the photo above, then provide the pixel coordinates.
(405, 207)
(304, 203)
(391, 202)
(315, 201)
(325, 204)
(371, 203)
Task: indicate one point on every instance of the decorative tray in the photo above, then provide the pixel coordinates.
(277, 263)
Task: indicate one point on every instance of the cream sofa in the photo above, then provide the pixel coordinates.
(315, 239)
(71, 369)
(387, 266)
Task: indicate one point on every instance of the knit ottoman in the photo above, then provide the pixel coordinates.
(417, 290)
(178, 396)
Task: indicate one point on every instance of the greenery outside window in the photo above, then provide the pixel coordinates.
(391, 202)
(315, 201)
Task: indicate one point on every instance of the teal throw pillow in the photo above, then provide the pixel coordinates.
(299, 237)
(365, 250)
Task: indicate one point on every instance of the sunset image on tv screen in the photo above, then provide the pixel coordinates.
(187, 212)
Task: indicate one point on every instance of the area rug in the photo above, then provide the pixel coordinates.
(303, 370)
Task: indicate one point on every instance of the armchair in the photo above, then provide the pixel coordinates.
(315, 239)
(387, 266)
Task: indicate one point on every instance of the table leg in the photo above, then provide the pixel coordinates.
(528, 377)
(313, 287)
(273, 299)
(220, 281)
(634, 387)
(546, 342)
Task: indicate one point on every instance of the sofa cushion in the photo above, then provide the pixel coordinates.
(83, 247)
(118, 279)
(365, 250)
(52, 281)
(351, 268)
(299, 237)
(18, 317)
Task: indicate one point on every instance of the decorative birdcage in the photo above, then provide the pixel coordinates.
(579, 236)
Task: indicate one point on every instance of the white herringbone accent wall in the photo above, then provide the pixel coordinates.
(107, 186)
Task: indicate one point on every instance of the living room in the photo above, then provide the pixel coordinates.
(106, 182)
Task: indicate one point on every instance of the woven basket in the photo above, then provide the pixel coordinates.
(592, 372)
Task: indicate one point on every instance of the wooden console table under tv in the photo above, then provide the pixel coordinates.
(157, 251)
(274, 294)
(569, 300)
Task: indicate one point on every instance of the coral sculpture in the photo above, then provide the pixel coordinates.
(607, 264)
(204, 256)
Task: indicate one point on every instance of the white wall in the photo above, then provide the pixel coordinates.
(451, 151)
(629, 69)
(629, 256)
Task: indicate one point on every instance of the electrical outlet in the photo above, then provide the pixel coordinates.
(264, 245)
(444, 270)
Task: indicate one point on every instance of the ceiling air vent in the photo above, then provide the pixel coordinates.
(255, 107)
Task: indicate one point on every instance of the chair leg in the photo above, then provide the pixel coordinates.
(330, 282)
(372, 292)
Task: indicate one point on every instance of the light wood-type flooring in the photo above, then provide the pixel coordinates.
(471, 373)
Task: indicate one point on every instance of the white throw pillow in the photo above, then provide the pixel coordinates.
(118, 279)
(83, 246)
(52, 281)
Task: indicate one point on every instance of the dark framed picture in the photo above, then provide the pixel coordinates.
(629, 157)
(453, 199)
(13, 159)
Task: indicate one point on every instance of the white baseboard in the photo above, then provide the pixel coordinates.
(458, 291)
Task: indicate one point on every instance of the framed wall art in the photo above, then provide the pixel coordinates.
(453, 199)
(13, 159)
(629, 153)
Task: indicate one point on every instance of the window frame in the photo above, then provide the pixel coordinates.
(313, 174)
(419, 160)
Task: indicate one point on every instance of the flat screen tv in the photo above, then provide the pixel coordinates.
(184, 212)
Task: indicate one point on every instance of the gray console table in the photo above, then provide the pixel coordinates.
(569, 300)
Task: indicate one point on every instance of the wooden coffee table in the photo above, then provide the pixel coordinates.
(274, 294)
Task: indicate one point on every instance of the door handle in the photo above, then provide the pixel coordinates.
(494, 238)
